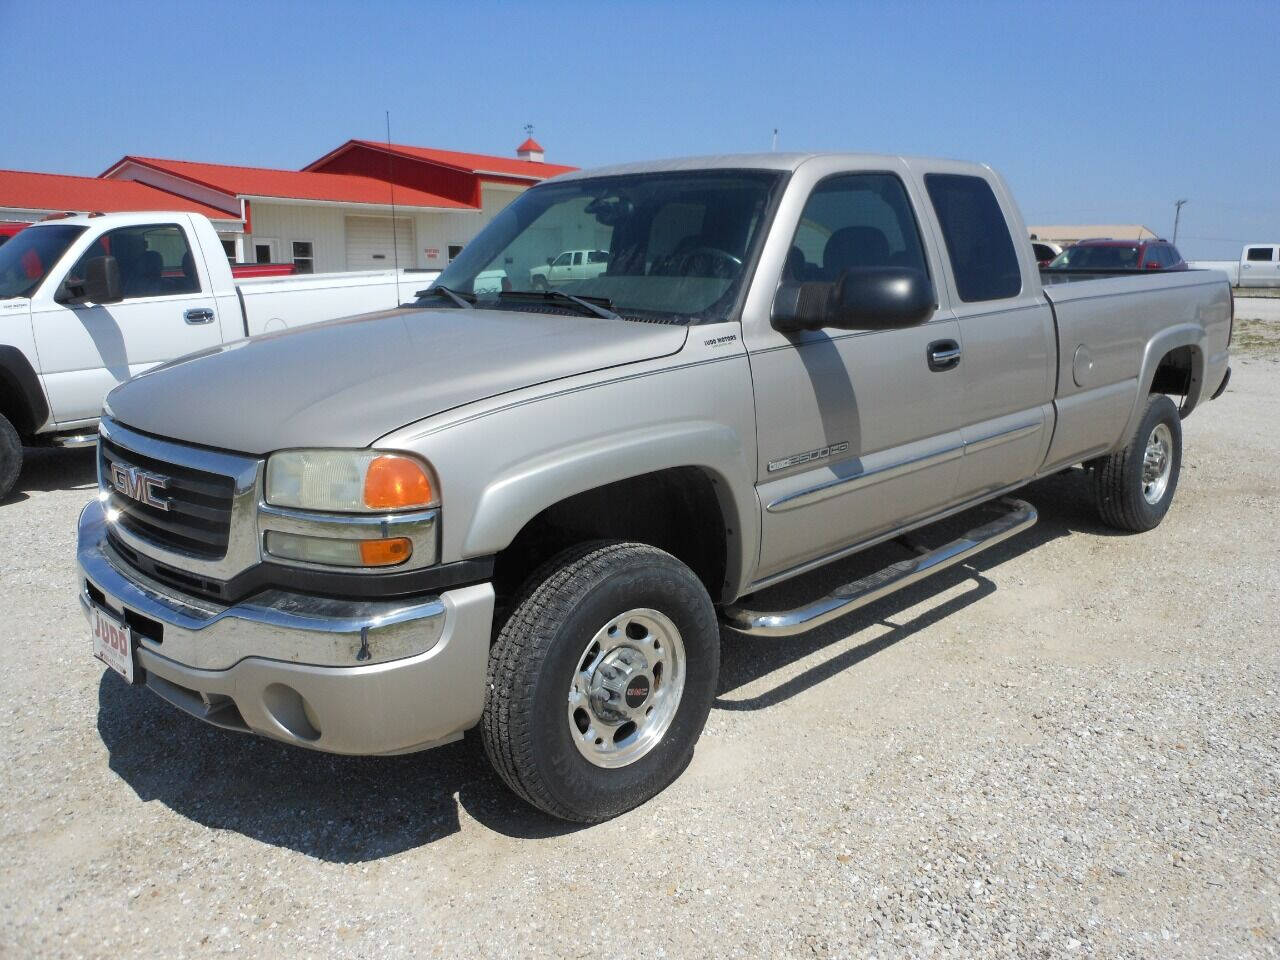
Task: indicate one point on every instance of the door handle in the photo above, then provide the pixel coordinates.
(198, 315)
(943, 355)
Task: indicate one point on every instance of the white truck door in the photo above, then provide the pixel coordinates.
(1258, 266)
(560, 269)
(168, 310)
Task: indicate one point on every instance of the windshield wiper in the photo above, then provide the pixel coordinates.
(596, 306)
(464, 300)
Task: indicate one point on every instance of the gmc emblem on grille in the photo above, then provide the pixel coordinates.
(139, 485)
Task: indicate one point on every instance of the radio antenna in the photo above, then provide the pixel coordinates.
(774, 147)
(391, 183)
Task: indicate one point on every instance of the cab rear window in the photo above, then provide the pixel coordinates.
(978, 241)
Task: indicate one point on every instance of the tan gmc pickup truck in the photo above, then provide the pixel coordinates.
(533, 511)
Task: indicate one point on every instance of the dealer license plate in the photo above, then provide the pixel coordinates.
(112, 642)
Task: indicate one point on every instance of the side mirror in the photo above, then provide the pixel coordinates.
(550, 261)
(101, 283)
(864, 298)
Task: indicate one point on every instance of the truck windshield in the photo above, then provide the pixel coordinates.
(27, 258)
(664, 246)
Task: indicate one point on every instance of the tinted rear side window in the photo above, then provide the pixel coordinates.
(983, 259)
(1259, 254)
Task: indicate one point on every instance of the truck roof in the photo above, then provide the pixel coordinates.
(741, 161)
(117, 217)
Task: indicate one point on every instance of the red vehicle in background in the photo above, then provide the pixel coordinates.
(242, 271)
(1106, 255)
(8, 229)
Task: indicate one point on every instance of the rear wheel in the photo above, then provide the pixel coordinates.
(1134, 486)
(10, 456)
(601, 680)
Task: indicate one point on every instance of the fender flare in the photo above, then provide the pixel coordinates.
(18, 380)
(512, 499)
(1183, 335)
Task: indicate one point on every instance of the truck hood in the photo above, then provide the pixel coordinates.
(348, 382)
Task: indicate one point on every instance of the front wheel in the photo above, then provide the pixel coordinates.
(601, 680)
(1134, 486)
(10, 456)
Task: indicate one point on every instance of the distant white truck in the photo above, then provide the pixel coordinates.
(1258, 266)
(88, 301)
(569, 266)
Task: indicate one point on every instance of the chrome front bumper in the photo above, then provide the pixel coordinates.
(356, 677)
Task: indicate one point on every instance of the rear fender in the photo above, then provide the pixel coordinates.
(1158, 347)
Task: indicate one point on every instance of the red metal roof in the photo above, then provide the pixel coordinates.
(530, 144)
(294, 184)
(22, 190)
(478, 163)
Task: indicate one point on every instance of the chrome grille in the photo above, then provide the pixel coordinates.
(198, 519)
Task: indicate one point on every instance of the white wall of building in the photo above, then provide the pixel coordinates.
(325, 228)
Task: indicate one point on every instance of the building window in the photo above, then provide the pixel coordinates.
(304, 260)
(229, 247)
(454, 250)
(264, 251)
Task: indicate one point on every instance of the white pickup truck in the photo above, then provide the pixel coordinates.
(88, 301)
(1258, 266)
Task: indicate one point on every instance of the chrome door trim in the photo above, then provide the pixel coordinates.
(1001, 436)
(838, 486)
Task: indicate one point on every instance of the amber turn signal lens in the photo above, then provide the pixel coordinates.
(394, 483)
(385, 553)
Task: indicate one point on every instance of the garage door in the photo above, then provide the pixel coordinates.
(369, 243)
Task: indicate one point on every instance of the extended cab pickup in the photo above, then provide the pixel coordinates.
(88, 301)
(532, 511)
(1258, 266)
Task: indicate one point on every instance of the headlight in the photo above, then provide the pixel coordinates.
(348, 481)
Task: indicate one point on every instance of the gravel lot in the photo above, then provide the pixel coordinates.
(1071, 747)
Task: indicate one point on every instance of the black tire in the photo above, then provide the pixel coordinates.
(1118, 481)
(10, 456)
(536, 657)
(539, 282)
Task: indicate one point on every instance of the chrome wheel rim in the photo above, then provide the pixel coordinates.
(626, 688)
(1157, 463)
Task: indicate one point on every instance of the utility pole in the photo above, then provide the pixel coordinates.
(1177, 215)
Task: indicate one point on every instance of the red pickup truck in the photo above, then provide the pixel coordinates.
(7, 230)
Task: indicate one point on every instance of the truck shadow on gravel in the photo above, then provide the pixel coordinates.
(1064, 503)
(46, 469)
(338, 809)
(356, 809)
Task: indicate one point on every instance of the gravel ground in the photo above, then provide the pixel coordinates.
(1070, 747)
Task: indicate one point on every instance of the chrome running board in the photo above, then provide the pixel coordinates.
(1019, 515)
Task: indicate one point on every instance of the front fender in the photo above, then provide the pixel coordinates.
(501, 463)
(511, 500)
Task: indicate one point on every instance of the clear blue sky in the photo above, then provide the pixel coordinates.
(1095, 112)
